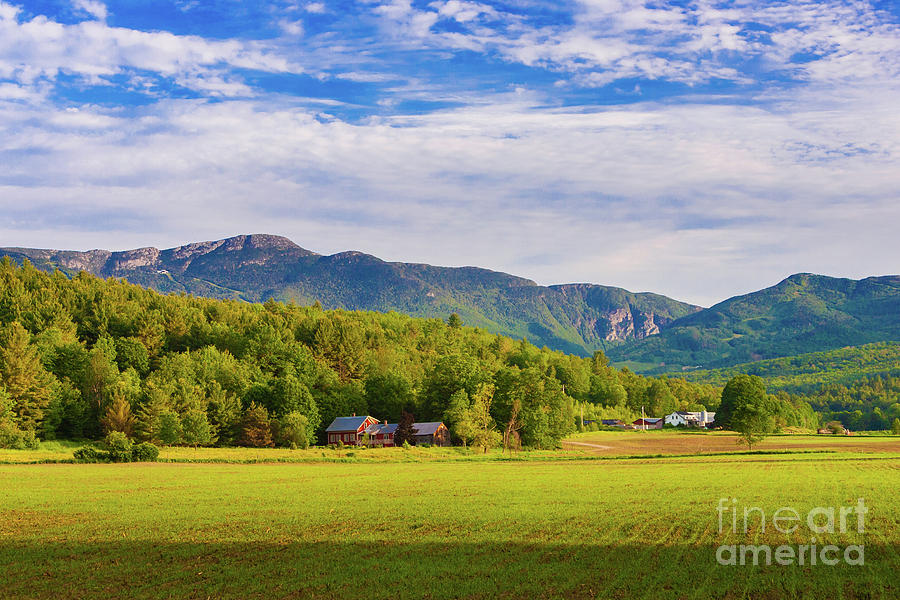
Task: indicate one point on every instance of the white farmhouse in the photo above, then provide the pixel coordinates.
(681, 418)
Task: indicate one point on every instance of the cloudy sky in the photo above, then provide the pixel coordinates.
(699, 149)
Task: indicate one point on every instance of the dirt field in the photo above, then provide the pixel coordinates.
(620, 443)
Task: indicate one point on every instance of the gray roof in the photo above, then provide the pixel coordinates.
(426, 428)
(383, 428)
(347, 423)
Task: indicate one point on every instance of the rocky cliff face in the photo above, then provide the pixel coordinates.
(626, 324)
(119, 262)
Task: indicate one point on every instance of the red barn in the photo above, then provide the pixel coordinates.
(349, 430)
(649, 423)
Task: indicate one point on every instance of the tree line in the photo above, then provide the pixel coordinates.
(82, 357)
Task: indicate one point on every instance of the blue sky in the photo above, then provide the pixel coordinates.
(695, 148)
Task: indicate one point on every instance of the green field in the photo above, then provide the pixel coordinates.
(609, 528)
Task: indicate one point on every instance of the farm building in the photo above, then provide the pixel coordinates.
(381, 434)
(683, 418)
(649, 423)
(348, 430)
(613, 423)
(434, 433)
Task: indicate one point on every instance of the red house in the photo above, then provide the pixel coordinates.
(649, 423)
(348, 430)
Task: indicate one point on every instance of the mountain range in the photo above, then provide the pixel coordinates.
(576, 318)
(647, 332)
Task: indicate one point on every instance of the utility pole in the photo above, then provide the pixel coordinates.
(582, 415)
(643, 420)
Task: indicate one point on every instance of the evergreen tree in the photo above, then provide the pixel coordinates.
(27, 383)
(256, 430)
(405, 432)
(148, 425)
(118, 416)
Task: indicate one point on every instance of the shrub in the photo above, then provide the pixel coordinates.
(118, 446)
(90, 454)
(144, 452)
(14, 438)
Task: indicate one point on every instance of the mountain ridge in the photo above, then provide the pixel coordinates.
(577, 318)
(802, 313)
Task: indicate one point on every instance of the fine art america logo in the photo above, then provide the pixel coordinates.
(788, 521)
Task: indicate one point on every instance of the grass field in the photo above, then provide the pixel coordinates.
(608, 528)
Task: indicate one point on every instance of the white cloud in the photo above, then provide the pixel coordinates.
(92, 7)
(291, 27)
(41, 48)
(609, 40)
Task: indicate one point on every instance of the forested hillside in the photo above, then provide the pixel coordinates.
(575, 318)
(804, 313)
(84, 356)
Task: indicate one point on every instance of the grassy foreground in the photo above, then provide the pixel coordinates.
(643, 528)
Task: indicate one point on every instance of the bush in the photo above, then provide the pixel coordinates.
(144, 452)
(14, 438)
(90, 454)
(118, 450)
(118, 446)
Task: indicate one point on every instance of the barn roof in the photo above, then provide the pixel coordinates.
(347, 423)
(426, 428)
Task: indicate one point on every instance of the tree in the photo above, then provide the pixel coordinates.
(459, 417)
(450, 373)
(169, 427)
(118, 416)
(660, 398)
(454, 321)
(895, 427)
(486, 436)
(738, 388)
(751, 412)
(196, 430)
(224, 413)
(148, 423)
(405, 431)
(256, 430)
(28, 385)
(293, 430)
(388, 395)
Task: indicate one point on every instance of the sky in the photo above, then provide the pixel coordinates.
(698, 149)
